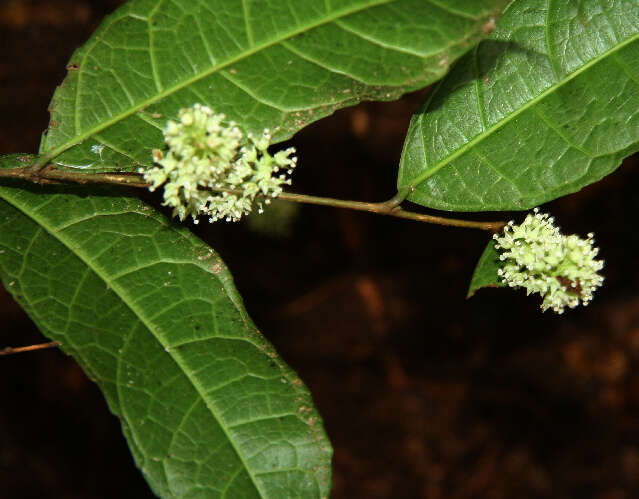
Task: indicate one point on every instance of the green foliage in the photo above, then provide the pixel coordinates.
(151, 314)
(149, 311)
(545, 107)
(273, 64)
(485, 274)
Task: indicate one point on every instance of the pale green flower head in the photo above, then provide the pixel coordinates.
(208, 157)
(537, 257)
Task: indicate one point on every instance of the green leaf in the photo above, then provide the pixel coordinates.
(485, 274)
(548, 105)
(275, 64)
(151, 314)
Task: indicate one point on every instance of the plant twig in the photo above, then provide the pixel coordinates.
(29, 348)
(393, 210)
(52, 175)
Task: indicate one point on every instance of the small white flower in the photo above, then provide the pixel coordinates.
(97, 149)
(206, 153)
(537, 257)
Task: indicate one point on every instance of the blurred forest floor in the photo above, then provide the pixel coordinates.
(424, 394)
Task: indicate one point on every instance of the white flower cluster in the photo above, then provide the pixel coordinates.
(207, 158)
(537, 257)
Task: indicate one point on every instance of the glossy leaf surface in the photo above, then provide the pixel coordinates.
(150, 312)
(546, 106)
(278, 64)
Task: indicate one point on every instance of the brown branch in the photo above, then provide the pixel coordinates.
(30, 348)
(52, 175)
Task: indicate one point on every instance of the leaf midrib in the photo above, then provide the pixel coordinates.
(170, 90)
(123, 296)
(480, 137)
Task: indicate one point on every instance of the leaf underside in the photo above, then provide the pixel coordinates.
(485, 274)
(546, 106)
(278, 64)
(150, 312)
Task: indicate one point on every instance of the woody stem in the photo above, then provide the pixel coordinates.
(52, 175)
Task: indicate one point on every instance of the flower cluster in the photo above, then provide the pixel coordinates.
(537, 257)
(210, 168)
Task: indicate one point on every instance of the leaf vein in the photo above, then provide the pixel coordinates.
(322, 64)
(451, 10)
(380, 43)
(154, 69)
(266, 418)
(558, 132)
(123, 295)
(481, 136)
(247, 24)
(189, 81)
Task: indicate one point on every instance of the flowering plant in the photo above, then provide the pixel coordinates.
(210, 168)
(536, 256)
(542, 109)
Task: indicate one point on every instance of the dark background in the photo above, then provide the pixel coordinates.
(424, 394)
